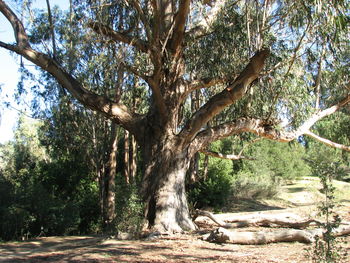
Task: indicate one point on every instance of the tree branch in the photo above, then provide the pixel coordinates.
(143, 17)
(327, 142)
(203, 26)
(119, 37)
(320, 115)
(180, 22)
(226, 156)
(113, 110)
(204, 83)
(18, 28)
(228, 96)
(265, 130)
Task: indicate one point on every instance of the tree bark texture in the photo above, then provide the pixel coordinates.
(164, 188)
(126, 157)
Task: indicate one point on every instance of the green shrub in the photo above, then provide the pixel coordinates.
(215, 190)
(129, 208)
(251, 186)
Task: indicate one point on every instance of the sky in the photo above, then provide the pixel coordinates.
(9, 75)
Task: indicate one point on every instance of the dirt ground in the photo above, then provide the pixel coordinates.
(184, 248)
(180, 248)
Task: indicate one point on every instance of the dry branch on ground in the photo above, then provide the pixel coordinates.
(296, 231)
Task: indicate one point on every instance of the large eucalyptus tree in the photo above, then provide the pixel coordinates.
(183, 46)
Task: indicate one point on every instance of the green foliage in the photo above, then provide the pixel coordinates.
(214, 190)
(336, 128)
(129, 207)
(41, 197)
(327, 249)
(251, 186)
(279, 161)
(274, 163)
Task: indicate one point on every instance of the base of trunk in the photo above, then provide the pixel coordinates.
(166, 205)
(169, 213)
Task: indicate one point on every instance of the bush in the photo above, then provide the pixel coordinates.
(215, 190)
(250, 186)
(129, 208)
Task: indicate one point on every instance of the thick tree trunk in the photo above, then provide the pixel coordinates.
(164, 188)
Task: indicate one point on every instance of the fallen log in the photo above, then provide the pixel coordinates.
(287, 220)
(222, 235)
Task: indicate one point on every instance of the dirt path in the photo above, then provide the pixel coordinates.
(184, 248)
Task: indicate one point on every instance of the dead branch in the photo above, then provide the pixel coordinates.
(298, 233)
(281, 220)
(226, 156)
(212, 217)
(222, 235)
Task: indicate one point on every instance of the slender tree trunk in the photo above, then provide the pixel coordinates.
(133, 159)
(52, 29)
(126, 157)
(109, 183)
(194, 167)
(205, 167)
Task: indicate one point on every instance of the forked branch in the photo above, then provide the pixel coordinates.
(180, 22)
(235, 91)
(118, 36)
(113, 110)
